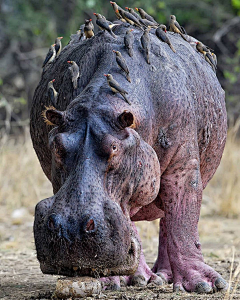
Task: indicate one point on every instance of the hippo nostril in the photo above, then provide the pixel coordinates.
(90, 227)
(54, 222)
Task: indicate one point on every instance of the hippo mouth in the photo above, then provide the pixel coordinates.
(80, 269)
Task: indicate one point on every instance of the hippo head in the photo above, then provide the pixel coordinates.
(102, 174)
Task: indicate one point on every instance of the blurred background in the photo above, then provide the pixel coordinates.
(27, 29)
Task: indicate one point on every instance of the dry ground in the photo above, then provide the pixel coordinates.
(23, 185)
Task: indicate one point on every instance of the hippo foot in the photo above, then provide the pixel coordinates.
(110, 283)
(165, 275)
(142, 277)
(199, 278)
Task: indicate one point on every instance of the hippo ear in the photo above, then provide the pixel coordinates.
(52, 116)
(126, 119)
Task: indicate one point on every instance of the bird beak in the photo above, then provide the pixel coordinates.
(111, 2)
(114, 51)
(131, 30)
(165, 30)
(126, 7)
(105, 74)
(53, 45)
(90, 20)
(94, 14)
(136, 8)
(53, 80)
(61, 37)
(69, 61)
(117, 11)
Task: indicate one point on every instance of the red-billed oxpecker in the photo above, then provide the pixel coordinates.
(145, 41)
(74, 69)
(88, 29)
(102, 24)
(122, 64)
(128, 41)
(58, 46)
(175, 27)
(161, 33)
(115, 87)
(52, 93)
(51, 55)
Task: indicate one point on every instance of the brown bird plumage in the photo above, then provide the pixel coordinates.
(51, 55)
(161, 33)
(131, 19)
(58, 46)
(128, 41)
(115, 87)
(145, 41)
(146, 16)
(207, 54)
(116, 9)
(102, 24)
(74, 69)
(52, 93)
(131, 10)
(88, 29)
(175, 27)
(122, 64)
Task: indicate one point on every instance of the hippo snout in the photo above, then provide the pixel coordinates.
(84, 241)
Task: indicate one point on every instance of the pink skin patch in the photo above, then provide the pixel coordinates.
(144, 275)
(110, 283)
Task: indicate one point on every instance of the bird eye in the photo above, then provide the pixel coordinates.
(114, 147)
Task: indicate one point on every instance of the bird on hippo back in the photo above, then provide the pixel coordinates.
(111, 163)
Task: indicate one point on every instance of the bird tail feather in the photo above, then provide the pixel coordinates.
(125, 98)
(172, 48)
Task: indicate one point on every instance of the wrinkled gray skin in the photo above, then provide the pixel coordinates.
(109, 167)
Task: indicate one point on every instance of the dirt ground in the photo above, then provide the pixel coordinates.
(21, 278)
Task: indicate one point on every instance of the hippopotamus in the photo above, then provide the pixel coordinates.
(112, 163)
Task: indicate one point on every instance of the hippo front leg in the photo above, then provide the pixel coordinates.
(181, 192)
(144, 275)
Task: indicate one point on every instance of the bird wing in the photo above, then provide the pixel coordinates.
(50, 94)
(122, 63)
(177, 25)
(183, 30)
(209, 56)
(103, 24)
(57, 47)
(128, 40)
(144, 42)
(161, 35)
(48, 56)
(114, 84)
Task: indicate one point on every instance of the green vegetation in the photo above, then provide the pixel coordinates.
(28, 28)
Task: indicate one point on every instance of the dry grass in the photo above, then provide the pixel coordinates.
(24, 184)
(223, 191)
(22, 180)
